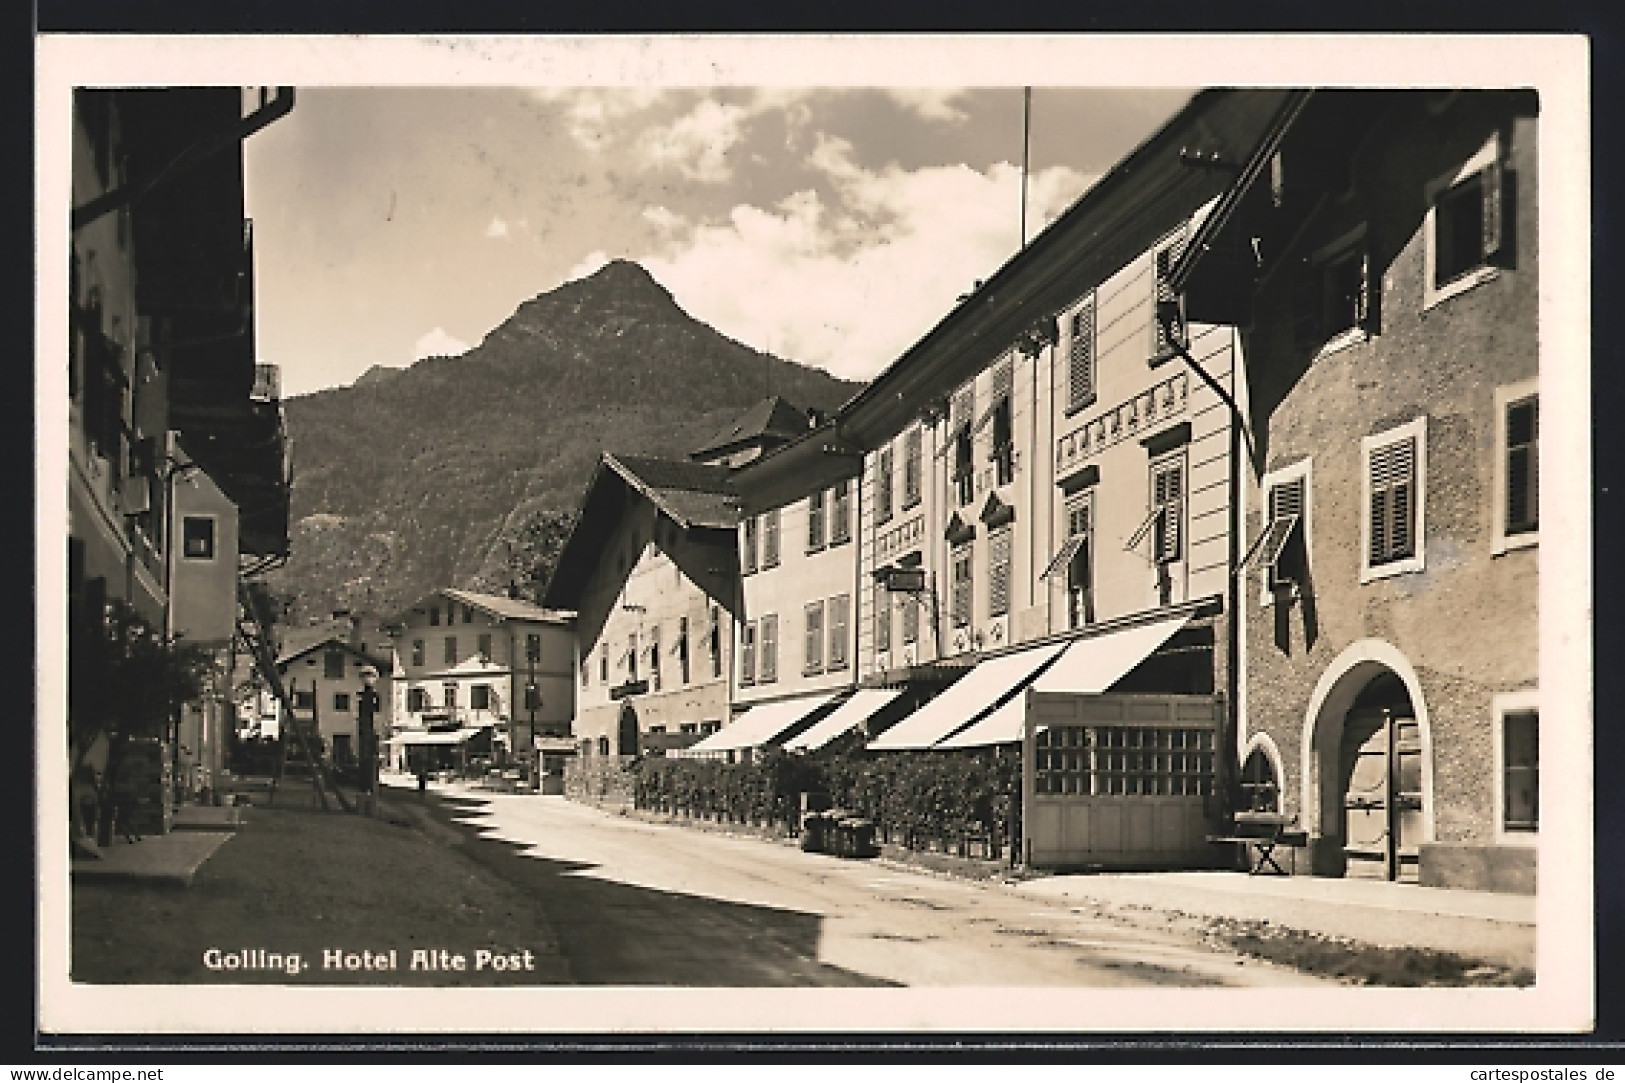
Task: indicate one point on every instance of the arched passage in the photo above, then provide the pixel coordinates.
(1367, 765)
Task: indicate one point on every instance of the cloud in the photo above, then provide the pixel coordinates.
(589, 263)
(849, 281)
(498, 228)
(592, 114)
(697, 143)
(929, 102)
(438, 343)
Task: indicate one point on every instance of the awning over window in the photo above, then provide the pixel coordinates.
(440, 737)
(1089, 667)
(759, 725)
(863, 704)
(967, 699)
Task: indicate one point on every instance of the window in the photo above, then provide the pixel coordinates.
(654, 658)
(883, 485)
(333, 665)
(1260, 787)
(882, 618)
(1393, 524)
(911, 619)
(1081, 358)
(961, 414)
(770, 539)
(533, 697)
(815, 520)
(451, 650)
(533, 647)
(1281, 550)
(748, 546)
(468, 614)
(770, 649)
(682, 648)
(419, 653)
(1074, 561)
(1004, 442)
(840, 608)
(197, 537)
(1331, 300)
(1515, 503)
(962, 583)
(1465, 227)
(603, 663)
(632, 657)
(1113, 760)
(1164, 524)
(715, 641)
(747, 653)
(416, 699)
(479, 697)
(341, 701)
(964, 466)
(814, 645)
(484, 646)
(998, 572)
(303, 700)
(911, 467)
(434, 614)
(1517, 740)
(1168, 316)
(449, 692)
(840, 519)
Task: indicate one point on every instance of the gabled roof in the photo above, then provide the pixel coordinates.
(383, 665)
(694, 495)
(502, 606)
(771, 420)
(496, 605)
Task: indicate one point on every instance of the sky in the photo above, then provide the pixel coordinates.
(830, 226)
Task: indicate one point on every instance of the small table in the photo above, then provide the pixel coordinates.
(1265, 834)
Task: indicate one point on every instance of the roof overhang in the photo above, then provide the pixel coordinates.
(1190, 160)
(815, 460)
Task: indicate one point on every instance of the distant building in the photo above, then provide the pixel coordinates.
(325, 680)
(469, 663)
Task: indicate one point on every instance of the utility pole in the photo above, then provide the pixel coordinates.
(367, 738)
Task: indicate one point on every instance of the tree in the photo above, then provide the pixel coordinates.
(130, 684)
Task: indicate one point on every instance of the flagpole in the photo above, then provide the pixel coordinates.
(1026, 141)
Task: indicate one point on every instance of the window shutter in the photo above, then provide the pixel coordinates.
(1166, 258)
(1166, 495)
(1081, 356)
(1493, 213)
(882, 618)
(1393, 480)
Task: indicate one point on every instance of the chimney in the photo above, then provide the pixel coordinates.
(513, 589)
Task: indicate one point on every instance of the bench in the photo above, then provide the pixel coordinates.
(1264, 832)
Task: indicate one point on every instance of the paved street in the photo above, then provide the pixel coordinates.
(636, 903)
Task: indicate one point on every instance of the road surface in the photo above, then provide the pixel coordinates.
(639, 903)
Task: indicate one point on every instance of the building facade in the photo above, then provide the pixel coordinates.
(652, 573)
(469, 662)
(325, 680)
(1393, 513)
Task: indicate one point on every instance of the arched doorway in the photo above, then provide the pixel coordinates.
(626, 731)
(1367, 770)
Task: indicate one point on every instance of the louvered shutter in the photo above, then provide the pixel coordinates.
(1362, 298)
(882, 618)
(1165, 296)
(1081, 357)
(1167, 494)
(1393, 486)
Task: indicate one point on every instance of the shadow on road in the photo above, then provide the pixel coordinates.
(620, 934)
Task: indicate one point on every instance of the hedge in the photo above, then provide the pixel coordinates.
(921, 800)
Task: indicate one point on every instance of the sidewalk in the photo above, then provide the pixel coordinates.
(165, 859)
(1492, 927)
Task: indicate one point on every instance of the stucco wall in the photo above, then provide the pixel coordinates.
(1467, 621)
